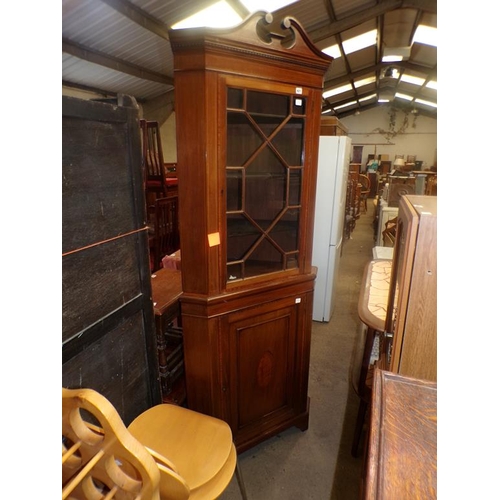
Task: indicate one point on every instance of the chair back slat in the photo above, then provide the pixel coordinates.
(166, 228)
(102, 460)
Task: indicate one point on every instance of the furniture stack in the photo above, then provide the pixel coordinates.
(398, 302)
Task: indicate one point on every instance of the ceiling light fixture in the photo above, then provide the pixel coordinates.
(391, 72)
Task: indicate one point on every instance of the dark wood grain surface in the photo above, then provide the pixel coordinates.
(402, 449)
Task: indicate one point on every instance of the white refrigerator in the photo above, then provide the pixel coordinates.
(331, 190)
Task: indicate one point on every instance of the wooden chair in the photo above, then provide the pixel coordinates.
(364, 180)
(389, 233)
(157, 179)
(102, 457)
(167, 452)
(164, 236)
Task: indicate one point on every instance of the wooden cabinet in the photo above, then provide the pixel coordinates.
(331, 125)
(410, 345)
(108, 334)
(248, 106)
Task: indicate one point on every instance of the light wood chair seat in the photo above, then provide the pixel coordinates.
(168, 452)
(197, 444)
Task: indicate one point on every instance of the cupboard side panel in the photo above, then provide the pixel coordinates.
(419, 349)
(197, 179)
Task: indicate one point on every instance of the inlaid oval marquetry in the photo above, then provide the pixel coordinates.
(265, 369)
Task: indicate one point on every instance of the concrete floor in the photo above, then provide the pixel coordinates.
(317, 464)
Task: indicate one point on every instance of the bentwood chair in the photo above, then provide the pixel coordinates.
(168, 452)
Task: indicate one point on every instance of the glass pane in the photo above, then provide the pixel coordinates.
(295, 186)
(242, 139)
(234, 271)
(241, 235)
(267, 124)
(292, 261)
(265, 188)
(235, 98)
(264, 259)
(286, 231)
(268, 104)
(234, 189)
(289, 141)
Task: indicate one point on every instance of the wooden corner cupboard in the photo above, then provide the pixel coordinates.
(248, 106)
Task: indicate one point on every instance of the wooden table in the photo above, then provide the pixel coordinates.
(402, 450)
(372, 304)
(372, 307)
(372, 310)
(166, 285)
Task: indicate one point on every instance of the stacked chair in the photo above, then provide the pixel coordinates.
(167, 452)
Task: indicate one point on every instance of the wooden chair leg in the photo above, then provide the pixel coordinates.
(241, 484)
(363, 391)
(360, 420)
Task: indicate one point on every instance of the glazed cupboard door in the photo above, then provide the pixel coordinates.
(264, 176)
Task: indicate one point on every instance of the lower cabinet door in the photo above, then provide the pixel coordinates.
(267, 361)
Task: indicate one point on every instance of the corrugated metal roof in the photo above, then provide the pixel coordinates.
(122, 45)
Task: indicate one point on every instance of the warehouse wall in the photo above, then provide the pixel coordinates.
(419, 138)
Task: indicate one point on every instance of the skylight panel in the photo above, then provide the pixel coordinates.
(337, 90)
(425, 35)
(365, 81)
(406, 97)
(432, 85)
(396, 54)
(333, 51)
(427, 103)
(342, 106)
(392, 58)
(368, 98)
(415, 80)
(218, 15)
(266, 5)
(353, 44)
(360, 42)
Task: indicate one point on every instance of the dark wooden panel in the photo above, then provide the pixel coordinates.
(108, 334)
(102, 193)
(97, 282)
(401, 461)
(116, 365)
